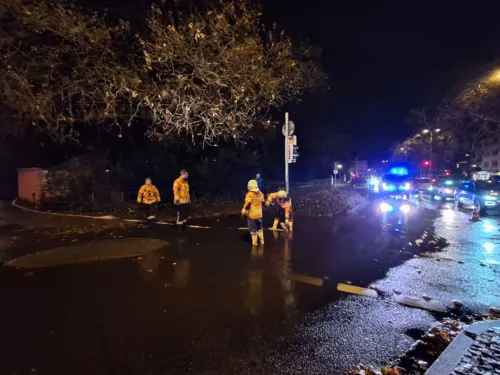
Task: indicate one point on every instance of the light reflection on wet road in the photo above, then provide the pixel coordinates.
(209, 304)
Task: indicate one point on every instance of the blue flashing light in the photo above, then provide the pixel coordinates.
(388, 187)
(448, 182)
(386, 207)
(399, 171)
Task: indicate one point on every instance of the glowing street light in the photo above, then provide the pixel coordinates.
(495, 76)
(339, 166)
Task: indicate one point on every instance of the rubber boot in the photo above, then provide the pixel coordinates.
(285, 227)
(275, 224)
(261, 237)
(255, 239)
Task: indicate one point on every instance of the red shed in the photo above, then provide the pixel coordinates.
(30, 183)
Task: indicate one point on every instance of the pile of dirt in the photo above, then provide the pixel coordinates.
(324, 202)
(327, 202)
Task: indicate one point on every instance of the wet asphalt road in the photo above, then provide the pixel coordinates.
(204, 302)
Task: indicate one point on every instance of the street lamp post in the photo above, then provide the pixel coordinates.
(336, 168)
(432, 131)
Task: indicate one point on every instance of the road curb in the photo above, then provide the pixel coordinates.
(107, 217)
(448, 361)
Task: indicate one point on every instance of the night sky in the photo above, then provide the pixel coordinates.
(382, 57)
(385, 57)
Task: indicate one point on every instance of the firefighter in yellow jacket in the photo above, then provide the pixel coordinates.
(284, 212)
(148, 197)
(253, 210)
(182, 198)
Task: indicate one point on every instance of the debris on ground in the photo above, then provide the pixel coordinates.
(421, 354)
(368, 370)
(494, 313)
(423, 303)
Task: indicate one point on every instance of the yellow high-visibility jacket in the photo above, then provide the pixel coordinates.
(148, 194)
(285, 204)
(181, 191)
(254, 200)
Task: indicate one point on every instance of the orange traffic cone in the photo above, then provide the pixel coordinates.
(475, 214)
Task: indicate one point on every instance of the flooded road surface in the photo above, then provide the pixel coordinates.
(204, 302)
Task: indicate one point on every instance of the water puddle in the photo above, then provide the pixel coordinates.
(93, 251)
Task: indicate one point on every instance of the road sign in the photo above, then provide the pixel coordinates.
(291, 128)
(335, 171)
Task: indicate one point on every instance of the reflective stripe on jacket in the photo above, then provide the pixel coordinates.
(148, 194)
(254, 200)
(181, 191)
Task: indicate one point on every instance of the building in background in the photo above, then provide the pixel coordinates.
(360, 168)
(490, 159)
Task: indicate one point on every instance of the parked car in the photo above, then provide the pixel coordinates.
(444, 189)
(484, 195)
(359, 183)
(424, 184)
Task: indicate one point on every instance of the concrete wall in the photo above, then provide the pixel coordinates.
(30, 184)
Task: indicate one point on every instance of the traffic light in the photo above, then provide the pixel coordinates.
(293, 150)
(295, 153)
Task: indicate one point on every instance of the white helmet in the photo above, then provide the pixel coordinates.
(282, 194)
(253, 186)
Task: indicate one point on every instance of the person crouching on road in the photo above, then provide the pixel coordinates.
(182, 198)
(148, 197)
(284, 212)
(253, 210)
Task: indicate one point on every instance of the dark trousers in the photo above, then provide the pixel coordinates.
(281, 214)
(149, 210)
(182, 213)
(254, 225)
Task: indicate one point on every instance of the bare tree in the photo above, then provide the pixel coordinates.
(213, 75)
(61, 67)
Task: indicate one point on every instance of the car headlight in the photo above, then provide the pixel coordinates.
(407, 186)
(405, 208)
(385, 207)
(388, 187)
(448, 191)
(430, 188)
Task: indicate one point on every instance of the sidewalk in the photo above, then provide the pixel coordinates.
(476, 351)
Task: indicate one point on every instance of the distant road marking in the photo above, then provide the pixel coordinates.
(316, 281)
(357, 290)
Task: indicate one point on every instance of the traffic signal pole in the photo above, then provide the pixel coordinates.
(287, 132)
